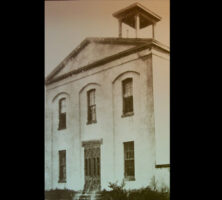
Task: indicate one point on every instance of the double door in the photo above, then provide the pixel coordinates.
(92, 168)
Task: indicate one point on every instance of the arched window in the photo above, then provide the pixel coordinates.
(127, 88)
(62, 114)
(91, 101)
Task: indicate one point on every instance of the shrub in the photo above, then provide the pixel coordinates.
(117, 192)
(148, 193)
(58, 194)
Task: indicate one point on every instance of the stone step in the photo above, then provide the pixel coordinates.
(89, 197)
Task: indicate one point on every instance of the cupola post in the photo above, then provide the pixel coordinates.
(153, 30)
(120, 28)
(137, 25)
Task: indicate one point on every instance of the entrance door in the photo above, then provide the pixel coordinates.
(92, 168)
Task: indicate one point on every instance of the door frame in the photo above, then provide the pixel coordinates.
(91, 144)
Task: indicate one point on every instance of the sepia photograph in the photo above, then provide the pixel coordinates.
(107, 100)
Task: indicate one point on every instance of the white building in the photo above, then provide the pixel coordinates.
(107, 111)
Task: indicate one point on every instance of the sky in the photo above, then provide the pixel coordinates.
(68, 23)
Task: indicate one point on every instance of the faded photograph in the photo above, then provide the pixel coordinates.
(107, 100)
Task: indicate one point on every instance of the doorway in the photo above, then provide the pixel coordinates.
(92, 167)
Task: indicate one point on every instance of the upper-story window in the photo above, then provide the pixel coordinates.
(91, 101)
(127, 86)
(62, 114)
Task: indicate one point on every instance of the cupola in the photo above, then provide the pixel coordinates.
(138, 17)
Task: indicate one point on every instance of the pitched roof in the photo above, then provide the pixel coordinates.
(138, 43)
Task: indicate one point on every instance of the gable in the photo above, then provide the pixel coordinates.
(92, 52)
(95, 51)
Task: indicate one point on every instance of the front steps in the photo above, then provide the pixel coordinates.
(88, 196)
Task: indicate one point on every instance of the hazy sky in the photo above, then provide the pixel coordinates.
(67, 23)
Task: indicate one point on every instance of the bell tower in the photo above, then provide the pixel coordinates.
(137, 16)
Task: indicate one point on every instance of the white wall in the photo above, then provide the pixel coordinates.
(162, 178)
(135, 128)
(161, 88)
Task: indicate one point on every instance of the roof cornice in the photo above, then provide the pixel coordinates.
(136, 5)
(102, 61)
(106, 40)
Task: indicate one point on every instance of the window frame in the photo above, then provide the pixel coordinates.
(62, 177)
(126, 176)
(91, 108)
(127, 100)
(62, 116)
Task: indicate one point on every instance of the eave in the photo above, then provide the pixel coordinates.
(150, 43)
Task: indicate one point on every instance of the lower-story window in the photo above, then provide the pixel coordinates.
(129, 165)
(62, 166)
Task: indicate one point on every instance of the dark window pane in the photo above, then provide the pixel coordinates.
(62, 114)
(127, 88)
(129, 159)
(129, 167)
(127, 96)
(60, 173)
(89, 167)
(91, 106)
(92, 113)
(62, 106)
(94, 167)
(86, 167)
(92, 97)
(98, 166)
(62, 165)
(64, 172)
(62, 121)
(128, 104)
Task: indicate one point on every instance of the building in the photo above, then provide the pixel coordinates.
(107, 111)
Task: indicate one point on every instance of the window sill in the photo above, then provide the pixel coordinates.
(129, 178)
(127, 114)
(59, 129)
(62, 181)
(91, 122)
(162, 166)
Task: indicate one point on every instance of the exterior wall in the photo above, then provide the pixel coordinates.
(103, 128)
(161, 87)
(162, 178)
(47, 145)
(110, 126)
(137, 128)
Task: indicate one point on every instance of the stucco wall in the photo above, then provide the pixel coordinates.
(162, 178)
(100, 51)
(135, 128)
(161, 88)
(47, 144)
